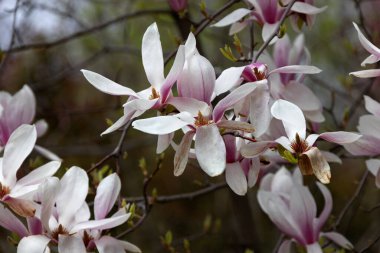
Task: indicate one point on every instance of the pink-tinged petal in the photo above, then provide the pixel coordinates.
(21, 108)
(373, 166)
(24, 208)
(190, 105)
(10, 222)
(369, 125)
(238, 26)
(302, 96)
(235, 96)
(73, 183)
(210, 150)
(259, 113)
(331, 157)
(253, 172)
(308, 9)
(371, 48)
(285, 247)
(327, 208)
(197, 79)
(70, 244)
(108, 244)
(281, 51)
(34, 226)
(174, 73)
(366, 73)
(314, 248)
(102, 224)
(311, 139)
(48, 191)
(236, 178)
(152, 58)
(254, 149)
(340, 137)
(19, 146)
(285, 142)
(191, 45)
(33, 244)
(292, 118)
(315, 116)
(228, 79)
(182, 153)
(41, 127)
(159, 125)
(163, 142)
(233, 17)
(106, 85)
(106, 195)
(367, 145)
(297, 69)
(370, 60)
(267, 31)
(338, 239)
(140, 104)
(47, 153)
(372, 106)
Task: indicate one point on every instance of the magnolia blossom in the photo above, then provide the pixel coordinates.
(373, 166)
(178, 5)
(291, 207)
(267, 13)
(153, 97)
(17, 110)
(17, 194)
(373, 58)
(64, 216)
(310, 159)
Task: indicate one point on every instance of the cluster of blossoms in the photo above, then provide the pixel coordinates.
(53, 216)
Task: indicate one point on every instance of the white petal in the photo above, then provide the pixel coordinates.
(340, 137)
(314, 248)
(372, 106)
(108, 244)
(228, 79)
(182, 153)
(285, 247)
(302, 96)
(366, 73)
(369, 125)
(159, 125)
(19, 146)
(233, 17)
(48, 192)
(106, 195)
(297, 69)
(259, 114)
(152, 56)
(47, 153)
(190, 105)
(331, 157)
(370, 60)
(118, 124)
(163, 142)
(373, 166)
(10, 222)
(236, 178)
(291, 117)
(253, 172)
(238, 26)
(338, 239)
(102, 224)
(70, 244)
(256, 148)
(306, 8)
(106, 85)
(33, 244)
(210, 150)
(267, 31)
(371, 48)
(41, 127)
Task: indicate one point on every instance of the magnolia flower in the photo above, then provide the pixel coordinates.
(210, 149)
(373, 58)
(153, 97)
(267, 13)
(310, 159)
(291, 207)
(178, 5)
(17, 110)
(373, 166)
(65, 220)
(14, 193)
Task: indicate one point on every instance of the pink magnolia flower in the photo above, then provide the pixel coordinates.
(153, 97)
(17, 110)
(210, 149)
(65, 220)
(291, 207)
(310, 159)
(17, 194)
(267, 13)
(373, 58)
(178, 5)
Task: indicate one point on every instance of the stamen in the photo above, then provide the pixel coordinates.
(4, 190)
(155, 94)
(60, 230)
(299, 146)
(201, 120)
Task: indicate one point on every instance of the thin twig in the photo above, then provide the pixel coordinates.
(275, 32)
(367, 247)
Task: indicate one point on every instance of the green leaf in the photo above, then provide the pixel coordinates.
(227, 52)
(287, 155)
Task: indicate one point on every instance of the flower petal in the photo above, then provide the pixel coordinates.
(182, 153)
(236, 178)
(106, 195)
(10, 222)
(152, 58)
(367, 145)
(108, 244)
(228, 79)
(314, 248)
(292, 118)
(302, 96)
(340, 137)
(19, 146)
(259, 113)
(253, 172)
(190, 105)
(233, 17)
(372, 106)
(41, 127)
(370, 60)
(70, 244)
(285, 247)
(297, 69)
(210, 150)
(338, 239)
(308, 9)
(33, 244)
(236, 125)
(369, 73)
(327, 207)
(160, 125)
(48, 191)
(102, 224)
(106, 85)
(23, 207)
(47, 153)
(371, 48)
(312, 161)
(373, 166)
(253, 149)
(163, 142)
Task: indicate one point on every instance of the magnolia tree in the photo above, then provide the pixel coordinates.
(253, 128)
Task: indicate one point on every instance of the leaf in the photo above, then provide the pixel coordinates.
(227, 52)
(287, 155)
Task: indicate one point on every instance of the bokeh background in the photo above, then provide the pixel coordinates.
(77, 113)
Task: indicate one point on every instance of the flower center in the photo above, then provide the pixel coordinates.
(4, 190)
(60, 230)
(201, 120)
(299, 146)
(87, 238)
(155, 94)
(255, 72)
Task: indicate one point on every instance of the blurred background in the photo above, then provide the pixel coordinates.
(55, 39)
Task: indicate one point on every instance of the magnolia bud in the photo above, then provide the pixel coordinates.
(255, 72)
(178, 5)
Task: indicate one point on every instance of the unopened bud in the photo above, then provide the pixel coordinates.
(178, 5)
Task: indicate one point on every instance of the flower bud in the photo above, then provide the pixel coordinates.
(178, 5)
(255, 72)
